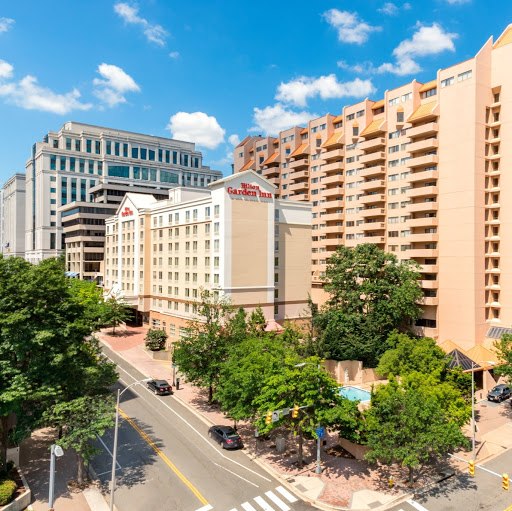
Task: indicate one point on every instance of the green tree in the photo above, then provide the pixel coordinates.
(257, 322)
(237, 326)
(371, 293)
(42, 342)
(81, 420)
(90, 297)
(155, 339)
(204, 348)
(412, 422)
(117, 311)
(313, 389)
(504, 351)
(245, 370)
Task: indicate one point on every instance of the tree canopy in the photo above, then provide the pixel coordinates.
(371, 293)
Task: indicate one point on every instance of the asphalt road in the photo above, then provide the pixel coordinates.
(167, 462)
(467, 493)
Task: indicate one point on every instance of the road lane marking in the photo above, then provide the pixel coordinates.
(248, 507)
(205, 508)
(235, 474)
(277, 501)
(263, 504)
(107, 449)
(415, 505)
(168, 462)
(286, 494)
(188, 424)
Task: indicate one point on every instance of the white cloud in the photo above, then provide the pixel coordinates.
(114, 86)
(327, 87)
(234, 139)
(362, 68)
(273, 119)
(29, 95)
(425, 41)
(130, 14)
(196, 127)
(5, 24)
(226, 160)
(174, 54)
(5, 69)
(390, 9)
(351, 29)
(459, 2)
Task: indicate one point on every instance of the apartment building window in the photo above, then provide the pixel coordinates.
(393, 220)
(360, 113)
(338, 125)
(355, 131)
(447, 82)
(393, 234)
(465, 76)
(393, 163)
(394, 101)
(350, 236)
(393, 149)
(393, 205)
(350, 117)
(428, 93)
(407, 97)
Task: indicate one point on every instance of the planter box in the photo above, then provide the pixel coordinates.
(13, 454)
(160, 355)
(357, 450)
(23, 501)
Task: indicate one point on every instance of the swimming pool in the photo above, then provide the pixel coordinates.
(355, 393)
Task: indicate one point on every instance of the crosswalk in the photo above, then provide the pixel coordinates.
(276, 500)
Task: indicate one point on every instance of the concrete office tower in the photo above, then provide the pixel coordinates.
(234, 237)
(421, 173)
(68, 163)
(13, 216)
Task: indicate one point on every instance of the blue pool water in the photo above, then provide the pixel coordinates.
(355, 394)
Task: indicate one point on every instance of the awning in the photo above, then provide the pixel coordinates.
(271, 159)
(334, 140)
(247, 166)
(373, 127)
(378, 104)
(457, 359)
(302, 149)
(428, 86)
(425, 110)
(338, 119)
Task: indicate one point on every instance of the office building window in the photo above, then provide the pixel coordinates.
(53, 162)
(135, 152)
(97, 146)
(88, 146)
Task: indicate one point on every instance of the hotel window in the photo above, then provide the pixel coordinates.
(428, 93)
(207, 261)
(465, 76)
(447, 82)
(355, 131)
(407, 97)
(216, 261)
(216, 210)
(350, 117)
(216, 278)
(394, 101)
(216, 228)
(360, 113)
(400, 117)
(394, 134)
(207, 278)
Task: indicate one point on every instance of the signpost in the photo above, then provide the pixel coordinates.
(320, 432)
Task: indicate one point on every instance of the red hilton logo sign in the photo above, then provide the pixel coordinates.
(127, 212)
(249, 191)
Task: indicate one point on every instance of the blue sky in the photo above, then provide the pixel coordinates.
(212, 72)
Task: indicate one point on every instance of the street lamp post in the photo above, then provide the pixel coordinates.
(114, 451)
(318, 469)
(56, 450)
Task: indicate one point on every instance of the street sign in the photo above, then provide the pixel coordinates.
(174, 366)
(320, 432)
(275, 416)
(285, 411)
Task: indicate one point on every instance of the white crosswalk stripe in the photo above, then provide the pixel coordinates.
(286, 494)
(263, 504)
(277, 501)
(415, 505)
(248, 507)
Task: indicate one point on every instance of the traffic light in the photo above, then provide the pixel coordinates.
(295, 412)
(472, 467)
(268, 420)
(505, 482)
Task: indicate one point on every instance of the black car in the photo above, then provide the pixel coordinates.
(226, 436)
(499, 393)
(159, 387)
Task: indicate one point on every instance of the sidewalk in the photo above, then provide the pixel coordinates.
(35, 465)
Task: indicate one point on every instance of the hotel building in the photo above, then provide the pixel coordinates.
(235, 238)
(12, 238)
(69, 164)
(421, 173)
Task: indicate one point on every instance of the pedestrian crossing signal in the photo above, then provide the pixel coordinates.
(472, 467)
(295, 412)
(268, 420)
(505, 482)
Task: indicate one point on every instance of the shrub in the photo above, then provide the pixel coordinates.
(7, 489)
(155, 340)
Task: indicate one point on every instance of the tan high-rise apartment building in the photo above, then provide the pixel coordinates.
(233, 238)
(420, 172)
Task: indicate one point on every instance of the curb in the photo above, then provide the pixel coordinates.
(94, 478)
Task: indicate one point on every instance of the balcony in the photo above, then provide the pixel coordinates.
(372, 144)
(372, 199)
(421, 252)
(431, 128)
(422, 237)
(332, 229)
(332, 217)
(374, 184)
(372, 239)
(423, 145)
(429, 300)
(424, 175)
(299, 187)
(423, 331)
(374, 157)
(333, 204)
(372, 226)
(331, 180)
(299, 164)
(422, 191)
(333, 167)
(423, 222)
(423, 207)
(335, 154)
(270, 172)
(332, 192)
(377, 170)
(429, 268)
(275, 181)
(300, 196)
(423, 161)
(299, 174)
(372, 212)
(331, 243)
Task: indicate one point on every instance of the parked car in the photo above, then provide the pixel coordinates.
(499, 393)
(160, 387)
(226, 436)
